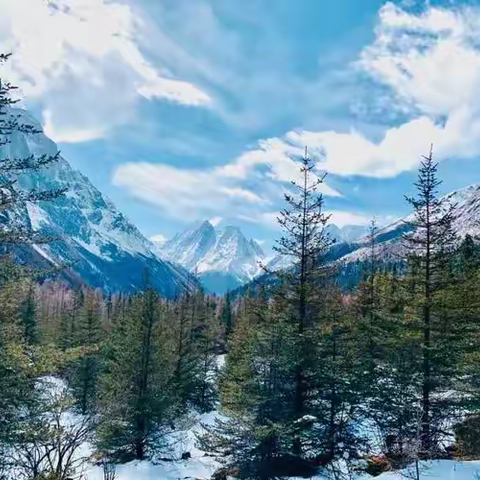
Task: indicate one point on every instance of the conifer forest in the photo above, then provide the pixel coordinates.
(329, 350)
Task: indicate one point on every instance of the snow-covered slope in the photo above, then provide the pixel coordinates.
(351, 249)
(223, 259)
(190, 247)
(102, 246)
(466, 222)
(202, 470)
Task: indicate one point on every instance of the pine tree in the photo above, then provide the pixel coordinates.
(227, 315)
(85, 370)
(28, 317)
(305, 242)
(290, 385)
(137, 397)
(69, 320)
(256, 390)
(429, 246)
(207, 336)
(184, 323)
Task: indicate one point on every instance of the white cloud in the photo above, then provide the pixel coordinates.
(69, 135)
(187, 193)
(81, 59)
(430, 60)
(279, 157)
(244, 188)
(430, 63)
(342, 218)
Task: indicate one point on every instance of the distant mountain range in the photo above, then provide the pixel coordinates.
(104, 249)
(102, 246)
(222, 259)
(391, 249)
(352, 253)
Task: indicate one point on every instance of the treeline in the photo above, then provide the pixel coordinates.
(319, 380)
(132, 367)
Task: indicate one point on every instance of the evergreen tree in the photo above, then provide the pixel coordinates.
(206, 342)
(28, 317)
(429, 246)
(85, 370)
(226, 315)
(184, 323)
(137, 397)
(306, 243)
(290, 388)
(69, 320)
(256, 391)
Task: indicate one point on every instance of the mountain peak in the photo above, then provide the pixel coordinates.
(189, 247)
(206, 224)
(223, 258)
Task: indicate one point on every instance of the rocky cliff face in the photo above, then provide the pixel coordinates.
(102, 247)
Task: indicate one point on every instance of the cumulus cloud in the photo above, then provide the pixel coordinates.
(244, 187)
(82, 60)
(186, 193)
(430, 64)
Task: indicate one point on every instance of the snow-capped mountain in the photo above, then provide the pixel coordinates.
(390, 248)
(102, 246)
(223, 258)
(466, 222)
(352, 255)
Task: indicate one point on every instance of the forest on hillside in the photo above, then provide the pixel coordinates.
(304, 378)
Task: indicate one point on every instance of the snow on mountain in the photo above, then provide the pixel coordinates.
(101, 245)
(352, 254)
(388, 239)
(190, 247)
(223, 258)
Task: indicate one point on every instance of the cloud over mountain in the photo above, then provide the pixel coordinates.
(93, 49)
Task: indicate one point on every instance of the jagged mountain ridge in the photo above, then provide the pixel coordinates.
(102, 246)
(353, 256)
(466, 222)
(223, 259)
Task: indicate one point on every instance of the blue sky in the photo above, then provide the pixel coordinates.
(181, 110)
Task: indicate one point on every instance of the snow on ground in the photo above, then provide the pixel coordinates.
(199, 466)
(202, 469)
(438, 470)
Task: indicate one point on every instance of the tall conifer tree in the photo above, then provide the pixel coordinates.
(429, 248)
